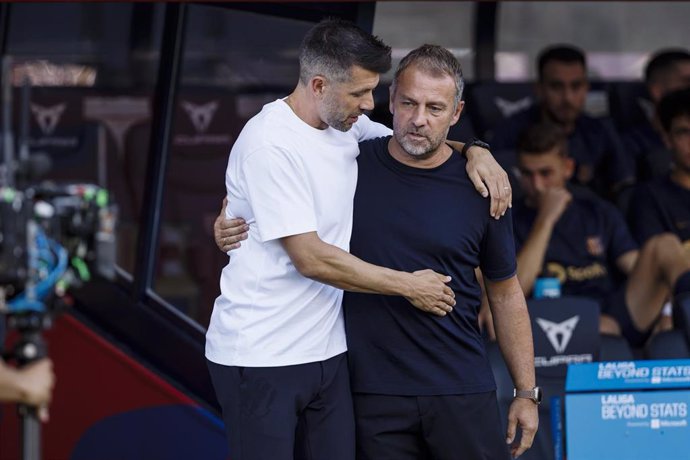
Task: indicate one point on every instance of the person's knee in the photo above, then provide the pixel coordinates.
(664, 243)
(608, 325)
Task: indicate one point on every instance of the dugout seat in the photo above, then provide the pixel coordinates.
(674, 344)
(564, 330)
(491, 102)
(629, 103)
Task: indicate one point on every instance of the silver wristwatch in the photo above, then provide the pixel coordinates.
(534, 394)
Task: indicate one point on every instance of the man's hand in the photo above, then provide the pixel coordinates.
(229, 232)
(37, 381)
(430, 293)
(523, 413)
(552, 203)
(490, 180)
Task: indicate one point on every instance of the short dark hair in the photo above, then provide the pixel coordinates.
(437, 61)
(663, 62)
(672, 106)
(561, 53)
(333, 46)
(542, 137)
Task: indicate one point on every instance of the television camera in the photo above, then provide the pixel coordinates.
(52, 237)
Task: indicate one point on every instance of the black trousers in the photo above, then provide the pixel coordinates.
(448, 427)
(301, 412)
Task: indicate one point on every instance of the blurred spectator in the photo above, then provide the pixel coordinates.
(582, 240)
(668, 70)
(594, 145)
(663, 204)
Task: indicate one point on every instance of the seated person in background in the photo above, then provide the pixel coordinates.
(663, 205)
(668, 70)
(581, 239)
(600, 161)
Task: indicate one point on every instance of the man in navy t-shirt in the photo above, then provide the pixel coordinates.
(668, 70)
(582, 240)
(600, 160)
(663, 205)
(423, 385)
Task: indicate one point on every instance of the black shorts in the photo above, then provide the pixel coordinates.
(617, 307)
(301, 412)
(446, 427)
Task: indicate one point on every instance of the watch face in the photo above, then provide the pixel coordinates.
(537, 394)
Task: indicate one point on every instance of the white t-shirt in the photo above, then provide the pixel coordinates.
(285, 178)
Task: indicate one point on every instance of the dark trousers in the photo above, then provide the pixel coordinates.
(449, 427)
(299, 412)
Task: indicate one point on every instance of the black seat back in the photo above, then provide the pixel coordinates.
(565, 331)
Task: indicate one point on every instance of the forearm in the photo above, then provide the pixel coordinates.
(455, 144)
(513, 330)
(531, 256)
(331, 265)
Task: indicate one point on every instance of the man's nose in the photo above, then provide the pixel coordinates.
(367, 102)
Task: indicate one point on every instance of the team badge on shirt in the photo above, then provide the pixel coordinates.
(594, 245)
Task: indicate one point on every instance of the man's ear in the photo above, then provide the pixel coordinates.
(458, 111)
(569, 167)
(391, 99)
(317, 85)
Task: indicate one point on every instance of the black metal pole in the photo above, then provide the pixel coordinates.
(7, 163)
(485, 40)
(163, 109)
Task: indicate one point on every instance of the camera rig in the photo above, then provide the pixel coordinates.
(51, 238)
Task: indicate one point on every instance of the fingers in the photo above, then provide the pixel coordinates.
(231, 227)
(501, 194)
(508, 191)
(526, 440)
(522, 413)
(43, 414)
(510, 431)
(229, 232)
(479, 184)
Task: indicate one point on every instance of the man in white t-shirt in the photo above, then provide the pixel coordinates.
(276, 341)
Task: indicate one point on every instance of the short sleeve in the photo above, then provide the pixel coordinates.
(497, 256)
(621, 164)
(621, 240)
(367, 129)
(277, 188)
(645, 215)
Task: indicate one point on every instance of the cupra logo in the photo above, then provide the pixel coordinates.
(200, 115)
(48, 117)
(559, 334)
(508, 108)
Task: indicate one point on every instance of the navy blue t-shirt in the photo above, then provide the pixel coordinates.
(644, 144)
(594, 145)
(660, 206)
(585, 243)
(411, 219)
